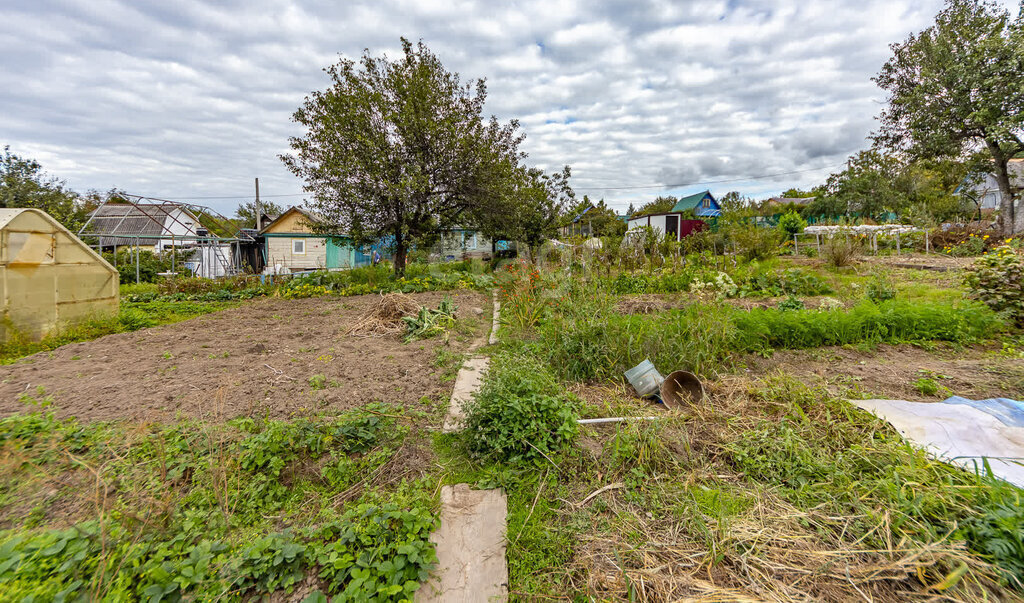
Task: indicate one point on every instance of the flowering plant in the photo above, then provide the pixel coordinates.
(997, 278)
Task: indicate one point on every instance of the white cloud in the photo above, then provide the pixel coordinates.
(194, 99)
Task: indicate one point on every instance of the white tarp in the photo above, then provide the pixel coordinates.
(958, 434)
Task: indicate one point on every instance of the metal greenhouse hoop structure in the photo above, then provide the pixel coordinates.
(135, 221)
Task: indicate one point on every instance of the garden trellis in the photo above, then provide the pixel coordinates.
(870, 231)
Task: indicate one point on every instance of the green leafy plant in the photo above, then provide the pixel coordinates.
(428, 322)
(270, 563)
(791, 303)
(997, 279)
(318, 382)
(520, 412)
(926, 386)
(998, 535)
(880, 288)
(793, 281)
(376, 551)
(791, 223)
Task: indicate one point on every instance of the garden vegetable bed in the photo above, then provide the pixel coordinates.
(271, 357)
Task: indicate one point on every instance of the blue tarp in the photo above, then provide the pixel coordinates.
(1009, 412)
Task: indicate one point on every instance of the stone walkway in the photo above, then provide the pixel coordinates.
(471, 540)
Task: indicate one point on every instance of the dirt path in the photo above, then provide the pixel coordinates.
(256, 360)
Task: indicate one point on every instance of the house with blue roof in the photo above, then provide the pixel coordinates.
(703, 205)
(679, 222)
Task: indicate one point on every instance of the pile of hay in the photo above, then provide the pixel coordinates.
(385, 316)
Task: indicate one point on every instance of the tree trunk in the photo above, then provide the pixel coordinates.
(400, 253)
(1008, 222)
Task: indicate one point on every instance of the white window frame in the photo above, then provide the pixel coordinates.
(294, 250)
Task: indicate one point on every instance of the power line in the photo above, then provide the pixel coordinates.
(234, 197)
(682, 184)
(592, 188)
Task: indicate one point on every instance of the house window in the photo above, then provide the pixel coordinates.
(706, 204)
(298, 247)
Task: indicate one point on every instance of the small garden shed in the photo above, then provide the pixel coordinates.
(48, 276)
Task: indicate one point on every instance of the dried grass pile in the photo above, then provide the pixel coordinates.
(641, 305)
(385, 317)
(723, 535)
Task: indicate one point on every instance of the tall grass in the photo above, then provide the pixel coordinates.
(590, 340)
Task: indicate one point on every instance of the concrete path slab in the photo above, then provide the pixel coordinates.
(468, 380)
(470, 548)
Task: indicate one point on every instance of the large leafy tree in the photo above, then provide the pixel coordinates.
(868, 187)
(602, 219)
(956, 87)
(398, 150)
(529, 209)
(23, 183)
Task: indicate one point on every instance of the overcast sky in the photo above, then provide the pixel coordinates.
(191, 99)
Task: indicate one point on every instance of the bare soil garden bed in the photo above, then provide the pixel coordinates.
(891, 371)
(262, 359)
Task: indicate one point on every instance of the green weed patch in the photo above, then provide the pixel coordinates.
(201, 511)
(894, 321)
(520, 413)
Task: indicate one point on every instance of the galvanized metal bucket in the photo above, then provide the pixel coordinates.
(645, 379)
(681, 388)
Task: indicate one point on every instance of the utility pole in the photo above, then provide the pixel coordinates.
(259, 212)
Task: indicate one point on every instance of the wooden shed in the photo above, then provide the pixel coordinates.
(49, 278)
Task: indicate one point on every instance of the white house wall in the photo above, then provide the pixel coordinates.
(178, 223)
(655, 222)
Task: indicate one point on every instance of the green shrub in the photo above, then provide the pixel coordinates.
(997, 279)
(841, 250)
(755, 242)
(791, 223)
(520, 412)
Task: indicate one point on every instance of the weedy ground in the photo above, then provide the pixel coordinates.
(773, 488)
